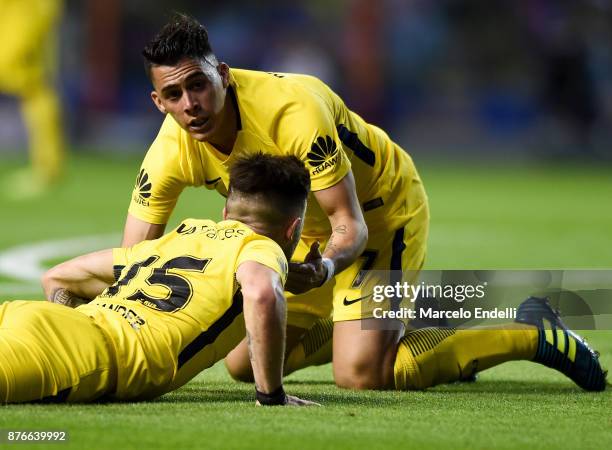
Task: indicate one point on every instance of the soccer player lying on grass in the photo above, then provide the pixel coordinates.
(164, 310)
(369, 211)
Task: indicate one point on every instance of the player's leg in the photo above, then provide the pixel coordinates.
(365, 347)
(363, 355)
(310, 311)
(432, 356)
(41, 111)
(40, 359)
(369, 358)
(40, 103)
(313, 349)
(238, 363)
(369, 354)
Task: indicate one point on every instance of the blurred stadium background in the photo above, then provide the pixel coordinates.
(506, 107)
(499, 79)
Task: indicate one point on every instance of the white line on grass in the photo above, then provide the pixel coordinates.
(24, 262)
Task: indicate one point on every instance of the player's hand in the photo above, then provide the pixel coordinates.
(307, 275)
(295, 401)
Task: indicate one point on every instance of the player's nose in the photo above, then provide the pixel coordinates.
(191, 104)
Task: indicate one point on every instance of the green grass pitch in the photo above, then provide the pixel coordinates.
(483, 216)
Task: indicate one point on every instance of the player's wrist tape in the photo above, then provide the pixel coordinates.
(329, 265)
(278, 397)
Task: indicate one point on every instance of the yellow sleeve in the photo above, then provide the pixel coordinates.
(264, 251)
(160, 180)
(307, 130)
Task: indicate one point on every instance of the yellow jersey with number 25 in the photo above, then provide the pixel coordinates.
(176, 307)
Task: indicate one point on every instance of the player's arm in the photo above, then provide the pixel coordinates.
(137, 230)
(159, 184)
(265, 317)
(79, 280)
(347, 241)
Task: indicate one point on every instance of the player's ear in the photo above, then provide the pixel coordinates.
(294, 227)
(158, 103)
(224, 72)
(224, 213)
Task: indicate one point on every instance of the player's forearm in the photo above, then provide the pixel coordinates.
(67, 292)
(265, 322)
(84, 277)
(137, 230)
(71, 289)
(347, 241)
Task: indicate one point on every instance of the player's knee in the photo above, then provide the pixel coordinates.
(365, 370)
(359, 376)
(360, 382)
(239, 372)
(243, 377)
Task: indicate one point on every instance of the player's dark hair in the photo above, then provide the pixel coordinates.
(282, 179)
(182, 37)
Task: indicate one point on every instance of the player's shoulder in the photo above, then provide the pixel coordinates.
(285, 105)
(278, 89)
(243, 76)
(260, 249)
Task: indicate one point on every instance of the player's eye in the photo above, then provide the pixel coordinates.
(173, 95)
(198, 85)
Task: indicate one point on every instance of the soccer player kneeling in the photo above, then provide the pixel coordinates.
(158, 313)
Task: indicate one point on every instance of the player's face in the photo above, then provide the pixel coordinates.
(193, 93)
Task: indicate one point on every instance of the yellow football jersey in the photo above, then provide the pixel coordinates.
(175, 308)
(283, 114)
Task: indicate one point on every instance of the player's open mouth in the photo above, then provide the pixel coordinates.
(197, 124)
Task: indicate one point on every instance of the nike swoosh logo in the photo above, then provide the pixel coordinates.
(215, 181)
(350, 302)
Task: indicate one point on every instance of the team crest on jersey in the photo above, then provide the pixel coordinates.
(323, 154)
(142, 190)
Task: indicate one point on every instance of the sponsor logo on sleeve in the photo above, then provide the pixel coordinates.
(323, 154)
(142, 190)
